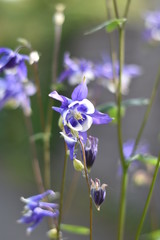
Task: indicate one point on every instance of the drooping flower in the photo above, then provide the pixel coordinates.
(15, 90)
(78, 114)
(98, 192)
(91, 149)
(152, 26)
(37, 208)
(76, 69)
(10, 59)
(104, 72)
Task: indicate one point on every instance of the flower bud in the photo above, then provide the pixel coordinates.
(52, 234)
(91, 150)
(33, 57)
(78, 165)
(98, 192)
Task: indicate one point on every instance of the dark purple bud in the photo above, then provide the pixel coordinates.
(91, 149)
(98, 192)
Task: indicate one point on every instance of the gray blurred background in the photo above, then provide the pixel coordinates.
(33, 20)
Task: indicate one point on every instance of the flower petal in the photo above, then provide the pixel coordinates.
(80, 92)
(85, 123)
(100, 118)
(86, 106)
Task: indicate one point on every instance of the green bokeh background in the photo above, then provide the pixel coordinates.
(33, 20)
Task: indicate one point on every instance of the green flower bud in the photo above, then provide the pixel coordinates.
(78, 165)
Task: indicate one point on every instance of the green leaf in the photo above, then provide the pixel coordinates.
(40, 136)
(75, 229)
(110, 25)
(105, 107)
(135, 102)
(151, 236)
(113, 112)
(149, 159)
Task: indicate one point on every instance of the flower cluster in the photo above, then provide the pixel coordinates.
(15, 88)
(152, 25)
(36, 209)
(76, 69)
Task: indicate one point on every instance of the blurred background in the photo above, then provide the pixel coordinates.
(33, 20)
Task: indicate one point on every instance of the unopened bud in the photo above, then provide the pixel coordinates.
(33, 57)
(52, 234)
(78, 165)
(60, 123)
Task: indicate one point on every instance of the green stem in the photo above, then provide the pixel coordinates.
(35, 162)
(119, 96)
(120, 139)
(115, 8)
(62, 193)
(148, 199)
(48, 128)
(127, 9)
(39, 96)
(88, 185)
(122, 205)
(146, 115)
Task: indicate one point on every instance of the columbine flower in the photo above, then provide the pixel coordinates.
(98, 192)
(78, 115)
(91, 149)
(10, 59)
(75, 70)
(105, 73)
(36, 209)
(152, 25)
(15, 90)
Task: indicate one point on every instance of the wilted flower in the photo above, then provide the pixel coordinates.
(152, 25)
(98, 192)
(76, 69)
(78, 115)
(91, 149)
(36, 209)
(15, 90)
(108, 80)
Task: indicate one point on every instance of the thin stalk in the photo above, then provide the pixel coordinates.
(88, 185)
(120, 139)
(115, 8)
(119, 95)
(122, 205)
(39, 96)
(146, 115)
(148, 199)
(35, 162)
(48, 128)
(62, 193)
(112, 46)
(127, 9)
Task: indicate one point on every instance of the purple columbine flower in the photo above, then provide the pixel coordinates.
(10, 59)
(16, 89)
(152, 25)
(36, 209)
(91, 149)
(75, 70)
(105, 73)
(78, 114)
(98, 192)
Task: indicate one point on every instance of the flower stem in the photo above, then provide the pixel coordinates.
(39, 96)
(120, 139)
(127, 8)
(148, 199)
(122, 204)
(48, 128)
(62, 192)
(35, 162)
(88, 185)
(146, 115)
(115, 8)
